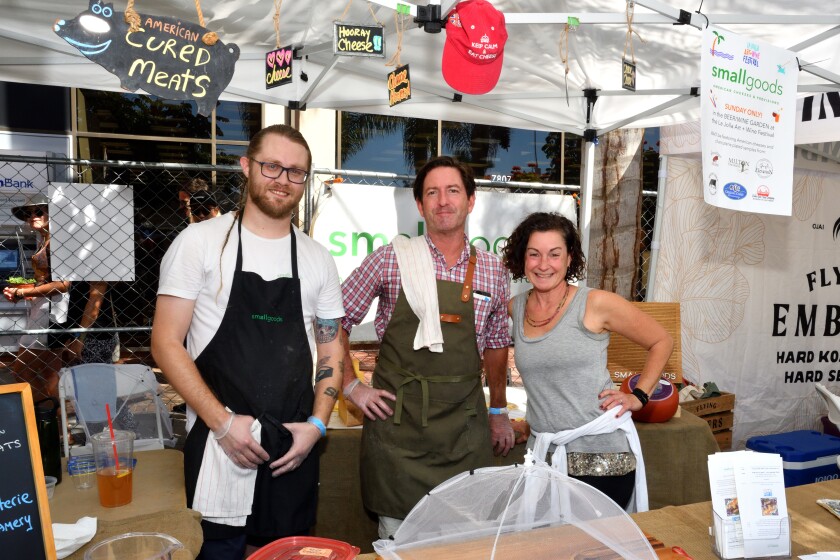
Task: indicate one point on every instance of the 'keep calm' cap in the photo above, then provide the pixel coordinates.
(475, 42)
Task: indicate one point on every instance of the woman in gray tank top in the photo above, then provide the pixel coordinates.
(560, 334)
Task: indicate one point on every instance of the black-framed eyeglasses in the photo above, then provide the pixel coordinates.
(275, 170)
(37, 212)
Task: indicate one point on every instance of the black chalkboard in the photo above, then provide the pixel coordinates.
(25, 527)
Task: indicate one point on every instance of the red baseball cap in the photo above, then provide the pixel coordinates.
(475, 42)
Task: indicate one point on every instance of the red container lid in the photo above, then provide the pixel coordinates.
(306, 548)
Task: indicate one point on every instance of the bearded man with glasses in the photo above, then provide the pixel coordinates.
(256, 300)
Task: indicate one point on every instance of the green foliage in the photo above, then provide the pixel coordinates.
(20, 280)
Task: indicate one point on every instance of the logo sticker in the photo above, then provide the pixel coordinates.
(763, 168)
(712, 183)
(734, 191)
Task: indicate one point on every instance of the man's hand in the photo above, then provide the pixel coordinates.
(372, 401)
(304, 438)
(240, 446)
(501, 434)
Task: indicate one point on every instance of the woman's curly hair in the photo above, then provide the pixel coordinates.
(513, 254)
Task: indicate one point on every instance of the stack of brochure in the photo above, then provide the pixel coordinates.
(749, 507)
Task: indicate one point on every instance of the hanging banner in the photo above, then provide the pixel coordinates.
(278, 67)
(748, 103)
(399, 86)
(358, 40)
(758, 298)
(165, 57)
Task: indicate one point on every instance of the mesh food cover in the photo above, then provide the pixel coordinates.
(529, 512)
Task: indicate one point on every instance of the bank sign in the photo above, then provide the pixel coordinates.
(166, 56)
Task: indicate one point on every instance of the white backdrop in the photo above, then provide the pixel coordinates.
(759, 295)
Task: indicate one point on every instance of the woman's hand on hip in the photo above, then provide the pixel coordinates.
(612, 398)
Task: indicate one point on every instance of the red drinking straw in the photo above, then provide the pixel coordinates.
(113, 442)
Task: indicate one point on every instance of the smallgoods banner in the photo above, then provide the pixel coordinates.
(748, 102)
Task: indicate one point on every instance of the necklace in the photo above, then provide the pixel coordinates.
(538, 324)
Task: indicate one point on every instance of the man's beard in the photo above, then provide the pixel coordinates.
(283, 210)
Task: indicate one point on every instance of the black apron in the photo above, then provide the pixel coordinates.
(439, 428)
(259, 363)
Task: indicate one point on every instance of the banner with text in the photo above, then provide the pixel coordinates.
(759, 298)
(748, 107)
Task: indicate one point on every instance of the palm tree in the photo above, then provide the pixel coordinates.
(718, 39)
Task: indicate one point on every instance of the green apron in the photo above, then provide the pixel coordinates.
(439, 428)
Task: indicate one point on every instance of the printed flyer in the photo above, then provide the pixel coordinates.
(748, 103)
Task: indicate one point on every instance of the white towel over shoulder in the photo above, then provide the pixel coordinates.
(224, 492)
(417, 272)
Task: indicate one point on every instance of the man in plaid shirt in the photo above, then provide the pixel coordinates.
(426, 418)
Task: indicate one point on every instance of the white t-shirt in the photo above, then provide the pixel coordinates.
(195, 268)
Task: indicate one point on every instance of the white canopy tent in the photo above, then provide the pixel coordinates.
(534, 91)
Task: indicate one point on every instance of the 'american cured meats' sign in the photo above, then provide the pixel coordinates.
(164, 57)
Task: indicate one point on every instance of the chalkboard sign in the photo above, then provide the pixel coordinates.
(25, 527)
(358, 40)
(167, 57)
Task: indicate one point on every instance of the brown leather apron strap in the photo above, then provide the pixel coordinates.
(424, 380)
(450, 318)
(466, 291)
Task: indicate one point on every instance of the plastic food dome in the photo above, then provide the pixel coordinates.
(529, 512)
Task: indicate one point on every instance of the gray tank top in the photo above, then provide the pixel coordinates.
(564, 370)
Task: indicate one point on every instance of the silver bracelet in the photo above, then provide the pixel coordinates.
(350, 387)
(227, 427)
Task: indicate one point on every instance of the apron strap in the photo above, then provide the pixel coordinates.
(239, 246)
(424, 380)
(466, 291)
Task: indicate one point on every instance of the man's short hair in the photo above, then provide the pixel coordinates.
(444, 161)
(196, 184)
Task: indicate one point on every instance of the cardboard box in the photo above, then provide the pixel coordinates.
(807, 456)
(713, 405)
(626, 358)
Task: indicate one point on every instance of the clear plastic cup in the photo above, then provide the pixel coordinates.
(114, 466)
(82, 471)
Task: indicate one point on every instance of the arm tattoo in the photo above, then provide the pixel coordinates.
(327, 329)
(324, 371)
(331, 392)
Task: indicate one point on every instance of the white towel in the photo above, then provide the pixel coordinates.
(418, 282)
(224, 492)
(604, 424)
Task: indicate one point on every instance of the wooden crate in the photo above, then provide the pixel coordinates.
(724, 439)
(719, 413)
(713, 405)
(625, 358)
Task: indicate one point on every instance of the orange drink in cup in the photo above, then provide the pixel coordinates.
(114, 486)
(114, 456)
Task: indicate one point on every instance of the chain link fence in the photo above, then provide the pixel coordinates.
(159, 212)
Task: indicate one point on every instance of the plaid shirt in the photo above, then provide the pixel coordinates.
(379, 276)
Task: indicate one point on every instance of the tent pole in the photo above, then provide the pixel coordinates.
(588, 178)
(657, 227)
